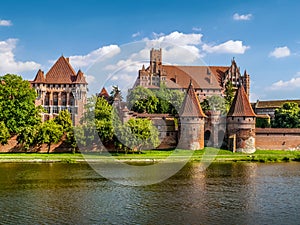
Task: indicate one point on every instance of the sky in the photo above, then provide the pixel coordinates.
(262, 36)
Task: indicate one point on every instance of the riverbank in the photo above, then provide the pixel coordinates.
(208, 154)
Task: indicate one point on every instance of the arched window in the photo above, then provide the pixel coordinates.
(47, 98)
(55, 98)
(63, 98)
(71, 100)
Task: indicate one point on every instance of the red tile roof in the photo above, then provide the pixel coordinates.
(60, 73)
(191, 106)
(241, 105)
(274, 103)
(103, 93)
(201, 76)
(39, 78)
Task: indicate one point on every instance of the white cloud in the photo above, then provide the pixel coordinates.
(286, 85)
(197, 29)
(237, 16)
(99, 54)
(280, 52)
(8, 63)
(136, 34)
(5, 23)
(230, 46)
(89, 78)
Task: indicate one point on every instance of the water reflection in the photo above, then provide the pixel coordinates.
(224, 193)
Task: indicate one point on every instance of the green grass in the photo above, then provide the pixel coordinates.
(198, 155)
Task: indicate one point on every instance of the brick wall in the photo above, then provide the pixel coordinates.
(278, 138)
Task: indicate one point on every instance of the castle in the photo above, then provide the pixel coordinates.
(195, 128)
(61, 88)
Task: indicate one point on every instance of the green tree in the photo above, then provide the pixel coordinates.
(287, 116)
(17, 109)
(64, 119)
(141, 100)
(215, 103)
(138, 134)
(28, 136)
(229, 94)
(50, 133)
(4, 133)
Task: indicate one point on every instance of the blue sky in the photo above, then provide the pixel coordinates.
(263, 36)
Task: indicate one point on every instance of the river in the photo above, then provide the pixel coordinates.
(225, 193)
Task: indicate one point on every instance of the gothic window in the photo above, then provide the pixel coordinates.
(63, 98)
(55, 98)
(47, 98)
(71, 99)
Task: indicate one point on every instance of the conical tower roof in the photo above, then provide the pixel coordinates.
(80, 79)
(191, 106)
(103, 93)
(39, 78)
(240, 105)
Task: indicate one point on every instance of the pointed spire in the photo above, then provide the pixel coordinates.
(143, 68)
(103, 93)
(80, 79)
(39, 78)
(245, 73)
(191, 106)
(240, 105)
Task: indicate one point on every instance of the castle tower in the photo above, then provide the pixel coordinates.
(155, 60)
(246, 83)
(241, 124)
(191, 122)
(61, 89)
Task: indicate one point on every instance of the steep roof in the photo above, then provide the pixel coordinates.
(103, 93)
(39, 78)
(80, 79)
(191, 106)
(274, 103)
(201, 76)
(241, 105)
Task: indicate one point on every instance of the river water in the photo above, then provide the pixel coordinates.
(225, 193)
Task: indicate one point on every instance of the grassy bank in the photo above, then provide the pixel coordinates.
(155, 155)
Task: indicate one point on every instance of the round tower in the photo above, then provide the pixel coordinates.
(241, 124)
(191, 122)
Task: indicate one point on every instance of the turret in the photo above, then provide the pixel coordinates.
(241, 124)
(191, 122)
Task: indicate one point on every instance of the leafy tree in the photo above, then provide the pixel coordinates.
(116, 92)
(64, 119)
(50, 133)
(138, 134)
(229, 94)
(142, 99)
(287, 116)
(28, 136)
(17, 109)
(75, 137)
(215, 103)
(4, 133)
(263, 122)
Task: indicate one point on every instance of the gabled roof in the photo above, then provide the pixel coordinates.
(274, 103)
(39, 78)
(241, 105)
(201, 76)
(191, 106)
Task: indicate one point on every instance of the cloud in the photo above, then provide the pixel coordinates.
(5, 23)
(197, 29)
(280, 52)
(8, 63)
(286, 85)
(136, 34)
(230, 46)
(99, 54)
(89, 78)
(237, 16)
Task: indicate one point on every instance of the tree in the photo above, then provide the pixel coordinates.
(138, 134)
(64, 119)
(115, 93)
(287, 116)
(215, 103)
(28, 136)
(50, 133)
(17, 109)
(141, 100)
(229, 94)
(4, 133)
